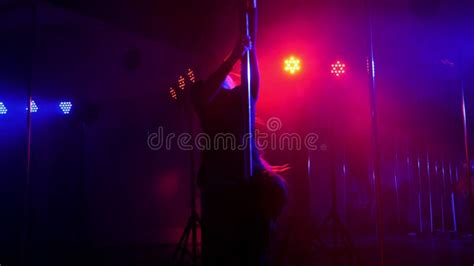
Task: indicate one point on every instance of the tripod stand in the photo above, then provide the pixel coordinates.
(337, 242)
(194, 222)
(182, 248)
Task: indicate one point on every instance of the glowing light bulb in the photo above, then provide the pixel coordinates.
(3, 109)
(65, 107)
(338, 68)
(34, 107)
(292, 65)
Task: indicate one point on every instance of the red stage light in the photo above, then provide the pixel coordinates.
(173, 93)
(181, 82)
(338, 68)
(191, 75)
(292, 65)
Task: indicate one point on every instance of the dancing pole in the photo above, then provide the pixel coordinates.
(430, 196)
(375, 145)
(397, 190)
(468, 160)
(26, 230)
(249, 16)
(420, 206)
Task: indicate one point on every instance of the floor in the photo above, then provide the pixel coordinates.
(399, 250)
(406, 251)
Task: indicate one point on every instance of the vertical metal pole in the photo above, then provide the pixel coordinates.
(249, 103)
(246, 81)
(375, 144)
(429, 192)
(443, 213)
(26, 230)
(420, 206)
(397, 191)
(308, 165)
(344, 182)
(435, 190)
(468, 160)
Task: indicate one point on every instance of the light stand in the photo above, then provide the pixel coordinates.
(194, 221)
(338, 243)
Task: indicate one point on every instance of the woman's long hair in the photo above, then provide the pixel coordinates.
(274, 169)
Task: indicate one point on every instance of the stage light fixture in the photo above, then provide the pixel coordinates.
(191, 75)
(3, 109)
(292, 65)
(338, 68)
(173, 93)
(65, 107)
(181, 82)
(34, 107)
